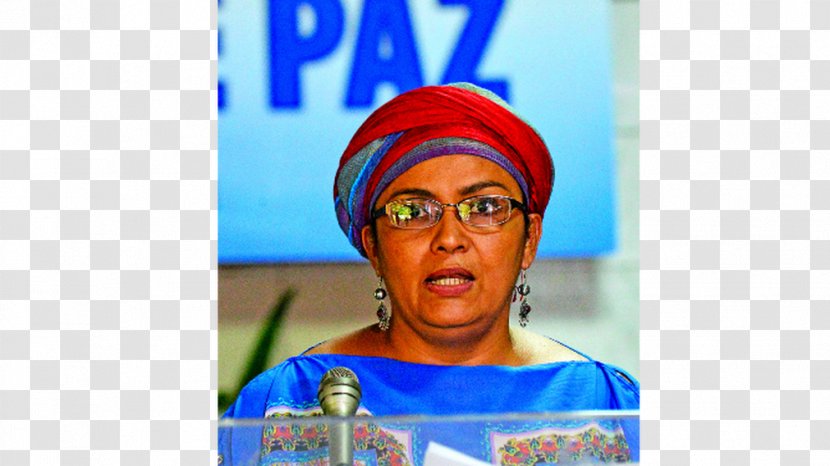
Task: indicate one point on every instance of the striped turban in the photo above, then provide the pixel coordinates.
(430, 122)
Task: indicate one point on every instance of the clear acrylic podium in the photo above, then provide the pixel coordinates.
(584, 437)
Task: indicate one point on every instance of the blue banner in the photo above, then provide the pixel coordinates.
(297, 78)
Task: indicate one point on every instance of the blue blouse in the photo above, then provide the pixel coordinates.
(391, 387)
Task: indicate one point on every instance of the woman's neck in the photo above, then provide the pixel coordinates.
(506, 347)
(456, 346)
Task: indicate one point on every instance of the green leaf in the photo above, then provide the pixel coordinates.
(258, 361)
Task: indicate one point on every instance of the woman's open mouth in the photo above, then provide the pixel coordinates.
(450, 282)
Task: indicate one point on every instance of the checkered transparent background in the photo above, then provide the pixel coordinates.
(107, 232)
(735, 231)
(108, 229)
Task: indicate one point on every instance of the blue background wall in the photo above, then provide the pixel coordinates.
(297, 77)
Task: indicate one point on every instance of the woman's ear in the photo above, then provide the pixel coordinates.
(369, 240)
(534, 234)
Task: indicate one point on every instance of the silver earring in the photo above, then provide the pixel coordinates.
(523, 289)
(384, 315)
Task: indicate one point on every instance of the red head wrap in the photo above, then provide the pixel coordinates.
(429, 122)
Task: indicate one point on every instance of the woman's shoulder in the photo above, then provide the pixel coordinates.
(549, 350)
(535, 349)
(264, 381)
(362, 342)
(289, 382)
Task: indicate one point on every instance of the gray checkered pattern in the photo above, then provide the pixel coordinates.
(735, 232)
(107, 232)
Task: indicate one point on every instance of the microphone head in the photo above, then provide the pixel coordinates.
(339, 392)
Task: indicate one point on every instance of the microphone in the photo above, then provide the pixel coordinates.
(339, 394)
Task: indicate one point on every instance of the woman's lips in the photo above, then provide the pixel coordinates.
(450, 282)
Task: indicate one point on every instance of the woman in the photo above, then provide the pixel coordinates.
(443, 189)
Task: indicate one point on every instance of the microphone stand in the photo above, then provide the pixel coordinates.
(341, 436)
(339, 394)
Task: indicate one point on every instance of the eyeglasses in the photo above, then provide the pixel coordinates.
(477, 211)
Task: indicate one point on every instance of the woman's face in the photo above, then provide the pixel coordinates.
(452, 279)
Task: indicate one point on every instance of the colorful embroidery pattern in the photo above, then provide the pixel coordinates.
(305, 443)
(390, 452)
(293, 437)
(592, 444)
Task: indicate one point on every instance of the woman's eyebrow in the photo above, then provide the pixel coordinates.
(481, 185)
(412, 191)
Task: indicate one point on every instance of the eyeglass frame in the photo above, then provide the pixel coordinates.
(514, 204)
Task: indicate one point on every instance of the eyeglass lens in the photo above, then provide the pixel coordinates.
(424, 213)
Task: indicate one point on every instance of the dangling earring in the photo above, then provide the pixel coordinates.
(384, 315)
(523, 289)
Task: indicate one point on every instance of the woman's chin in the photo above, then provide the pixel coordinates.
(453, 321)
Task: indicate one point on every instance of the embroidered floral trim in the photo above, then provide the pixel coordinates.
(592, 444)
(312, 438)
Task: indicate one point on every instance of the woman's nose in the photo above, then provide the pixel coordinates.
(450, 234)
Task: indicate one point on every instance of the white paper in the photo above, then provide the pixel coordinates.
(439, 455)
